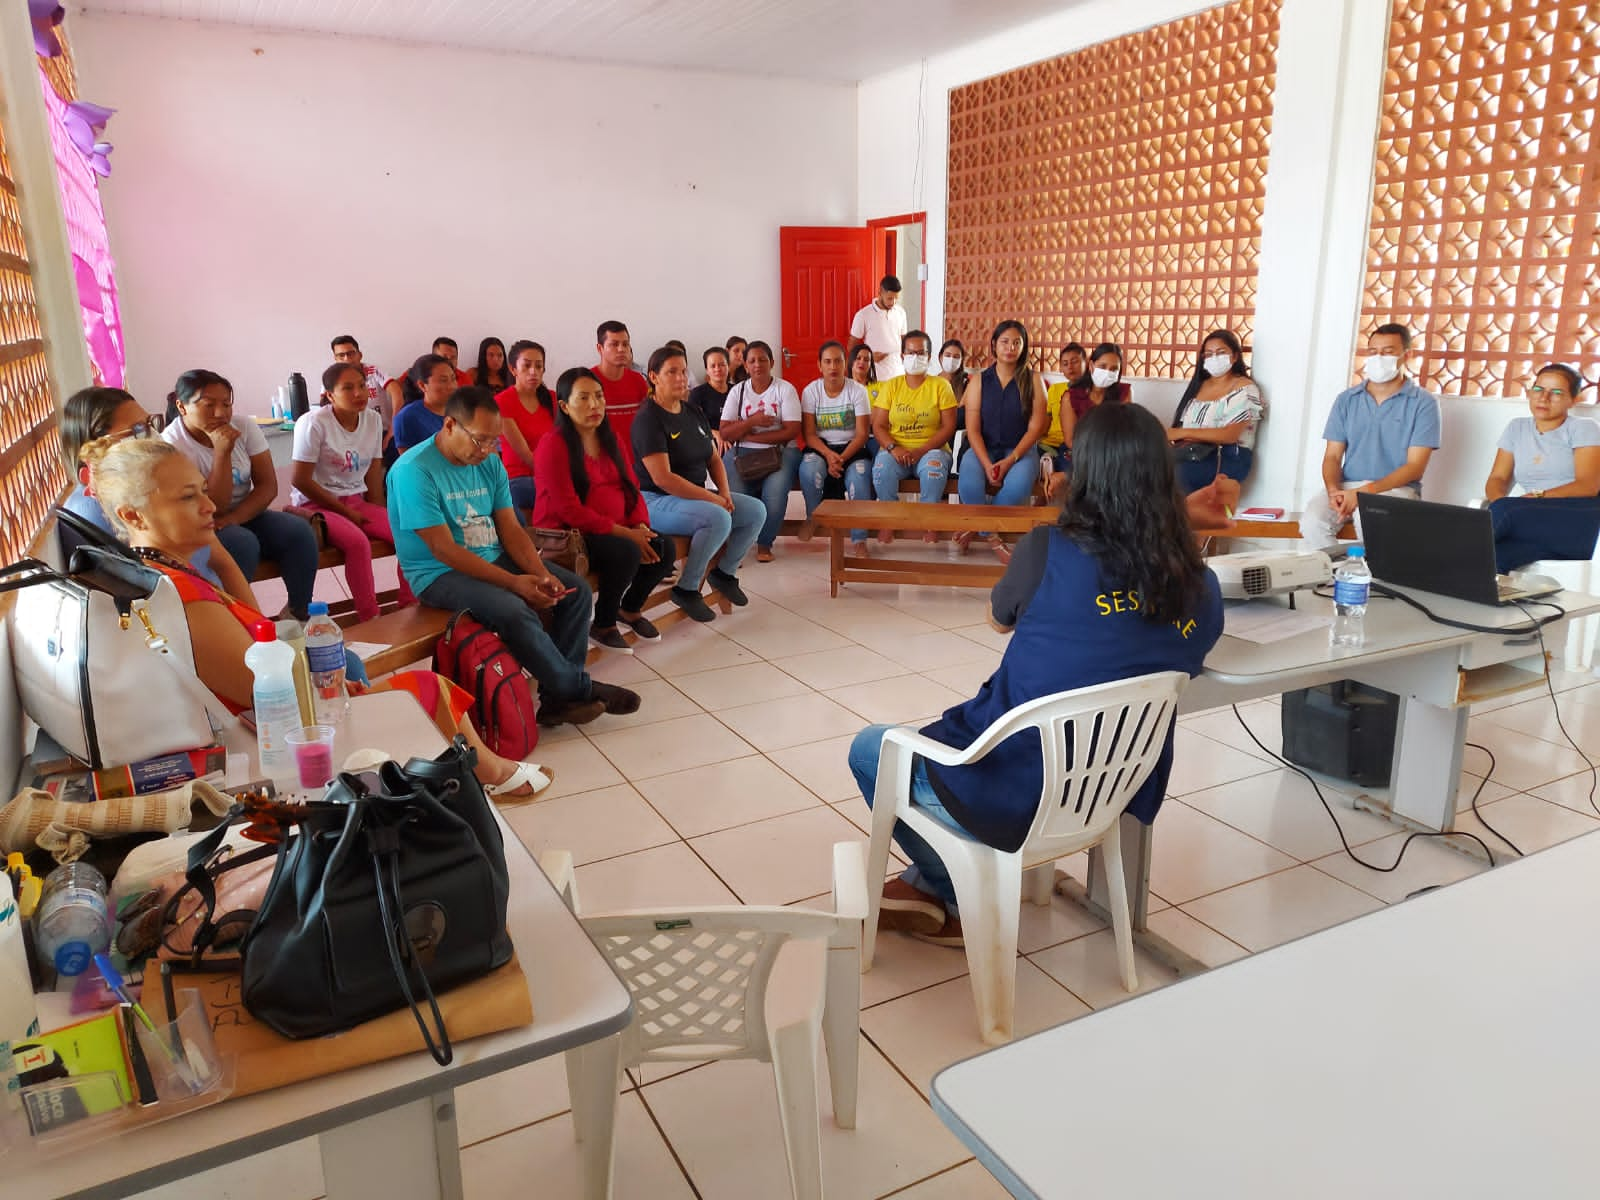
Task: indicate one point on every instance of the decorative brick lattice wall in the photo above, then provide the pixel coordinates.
(1487, 190)
(1115, 193)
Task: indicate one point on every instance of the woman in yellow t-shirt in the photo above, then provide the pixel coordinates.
(913, 418)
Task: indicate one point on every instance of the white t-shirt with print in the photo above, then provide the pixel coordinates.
(780, 403)
(377, 395)
(836, 415)
(251, 442)
(341, 456)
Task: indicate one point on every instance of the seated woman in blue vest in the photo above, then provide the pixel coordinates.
(1554, 458)
(1006, 416)
(1124, 533)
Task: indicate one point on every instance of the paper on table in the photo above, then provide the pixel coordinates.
(365, 650)
(1265, 623)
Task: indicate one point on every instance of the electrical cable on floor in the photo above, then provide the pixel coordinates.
(1550, 687)
(1478, 791)
(1339, 829)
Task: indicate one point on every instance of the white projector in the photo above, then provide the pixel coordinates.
(1269, 572)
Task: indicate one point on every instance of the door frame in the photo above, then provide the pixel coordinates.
(880, 265)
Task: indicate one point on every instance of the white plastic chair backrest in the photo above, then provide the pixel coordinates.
(1117, 734)
(699, 977)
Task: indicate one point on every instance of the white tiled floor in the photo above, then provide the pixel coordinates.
(731, 785)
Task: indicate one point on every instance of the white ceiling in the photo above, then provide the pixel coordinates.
(846, 40)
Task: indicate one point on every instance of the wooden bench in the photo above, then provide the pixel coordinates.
(837, 517)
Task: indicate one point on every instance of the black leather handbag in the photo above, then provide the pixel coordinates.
(389, 890)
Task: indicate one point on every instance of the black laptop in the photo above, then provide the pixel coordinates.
(1441, 548)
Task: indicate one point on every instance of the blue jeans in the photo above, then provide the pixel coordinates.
(773, 491)
(709, 528)
(287, 540)
(1232, 461)
(855, 483)
(931, 470)
(522, 496)
(1016, 488)
(927, 869)
(555, 658)
(1530, 528)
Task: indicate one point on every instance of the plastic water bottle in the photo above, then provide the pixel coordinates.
(1352, 583)
(73, 923)
(325, 656)
(277, 705)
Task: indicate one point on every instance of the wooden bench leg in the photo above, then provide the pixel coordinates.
(835, 561)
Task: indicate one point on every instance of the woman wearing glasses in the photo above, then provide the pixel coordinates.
(104, 412)
(1554, 458)
(242, 482)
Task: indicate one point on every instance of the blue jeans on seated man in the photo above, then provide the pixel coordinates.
(927, 870)
(284, 538)
(931, 470)
(554, 658)
(773, 491)
(1530, 528)
(972, 482)
(1231, 461)
(854, 483)
(709, 528)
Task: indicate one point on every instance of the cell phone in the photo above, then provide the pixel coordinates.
(562, 595)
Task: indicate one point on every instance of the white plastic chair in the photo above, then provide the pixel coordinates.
(1117, 733)
(699, 980)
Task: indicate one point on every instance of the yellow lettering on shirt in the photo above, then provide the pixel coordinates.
(1100, 603)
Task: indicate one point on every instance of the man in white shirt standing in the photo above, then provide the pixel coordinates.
(881, 325)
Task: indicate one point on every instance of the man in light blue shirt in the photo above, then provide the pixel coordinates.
(459, 542)
(1379, 437)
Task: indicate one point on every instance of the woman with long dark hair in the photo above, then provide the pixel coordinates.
(953, 365)
(530, 412)
(1100, 383)
(1214, 430)
(863, 370)
(494, 368)
(1005, 417)
(1115, 590)
(586, 483)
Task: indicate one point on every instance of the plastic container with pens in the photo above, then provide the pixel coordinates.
(111, 1074)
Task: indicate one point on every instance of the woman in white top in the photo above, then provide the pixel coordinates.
(235, 462)
(338, 471)
(1213, 433)
(762, 414)
(1554, 458)
(836, 426)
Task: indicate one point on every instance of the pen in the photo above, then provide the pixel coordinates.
(115, 982)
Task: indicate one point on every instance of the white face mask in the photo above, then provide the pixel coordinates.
(915, 364)
(1218, 364)
(1380, 368)
(950, 364)
(1103, 377)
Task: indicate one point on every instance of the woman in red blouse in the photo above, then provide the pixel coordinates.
(586, 484)
(529, 412)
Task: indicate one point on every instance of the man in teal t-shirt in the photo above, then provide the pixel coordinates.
(461, 547)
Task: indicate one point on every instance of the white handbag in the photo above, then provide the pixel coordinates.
(84, 651)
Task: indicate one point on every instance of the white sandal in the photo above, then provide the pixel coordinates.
(527, 774)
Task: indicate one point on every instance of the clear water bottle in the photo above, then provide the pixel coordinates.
(73, 922)
(1352, 583)
(325, 656)
(277, 705)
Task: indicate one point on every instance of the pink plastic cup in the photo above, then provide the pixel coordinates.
(313, 754)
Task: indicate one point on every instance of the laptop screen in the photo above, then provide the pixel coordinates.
(1440, 548)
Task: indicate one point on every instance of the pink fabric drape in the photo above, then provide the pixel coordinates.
(91, 246)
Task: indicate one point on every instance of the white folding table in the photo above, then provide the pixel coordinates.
(1436, 670)
(1445, 1046)
(387, 1129)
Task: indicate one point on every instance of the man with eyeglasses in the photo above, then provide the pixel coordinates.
(461, 547)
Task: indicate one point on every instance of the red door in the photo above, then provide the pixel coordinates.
(826, 274)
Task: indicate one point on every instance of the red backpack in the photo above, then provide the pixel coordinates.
(505, 707)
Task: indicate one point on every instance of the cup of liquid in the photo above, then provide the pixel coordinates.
(313, 754)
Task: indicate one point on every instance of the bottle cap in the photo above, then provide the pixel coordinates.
(72, 958)
(319, 608)
(264, 631)
(1356, 552)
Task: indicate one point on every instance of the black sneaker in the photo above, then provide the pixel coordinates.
(693, 604)
(642, 628)
(571, 712)
(610, 639)
(619, 701)
(729, 587)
